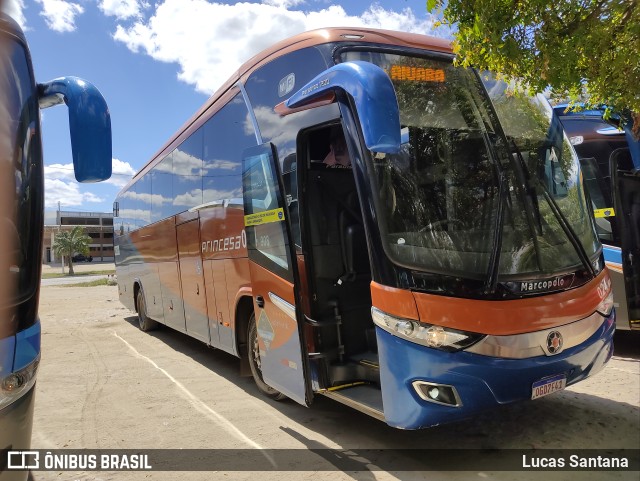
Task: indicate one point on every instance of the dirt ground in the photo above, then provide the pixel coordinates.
(105, 384)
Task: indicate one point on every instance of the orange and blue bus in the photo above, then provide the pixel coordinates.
(355, 217)
(21, 211)
(610, 161)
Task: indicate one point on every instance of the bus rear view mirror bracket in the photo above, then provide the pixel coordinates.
(373, 94)
(89, 122)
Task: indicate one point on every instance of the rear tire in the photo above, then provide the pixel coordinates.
(255, 363)
(144, 321)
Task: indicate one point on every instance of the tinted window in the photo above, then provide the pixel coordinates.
(267, 239)
(226, 135)
(187, 173)
(277, 81)
(143, 201)
(162, 189)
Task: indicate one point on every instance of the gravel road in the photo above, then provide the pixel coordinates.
(105, 384)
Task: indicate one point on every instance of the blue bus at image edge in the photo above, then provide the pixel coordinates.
(21, 171)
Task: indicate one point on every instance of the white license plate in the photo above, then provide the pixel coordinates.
(548, 385)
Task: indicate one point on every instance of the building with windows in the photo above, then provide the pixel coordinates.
(97, 225)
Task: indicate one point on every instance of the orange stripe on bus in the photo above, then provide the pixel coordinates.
(492, 317)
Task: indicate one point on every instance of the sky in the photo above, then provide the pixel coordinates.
(157, 62)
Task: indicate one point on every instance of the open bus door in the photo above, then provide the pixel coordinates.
(627, 205)
(274, 277)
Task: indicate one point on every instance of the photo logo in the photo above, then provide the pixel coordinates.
(23, 460)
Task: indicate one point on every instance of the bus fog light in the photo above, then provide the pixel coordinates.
(437, 393)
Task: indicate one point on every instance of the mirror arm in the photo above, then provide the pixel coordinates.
(373, 95)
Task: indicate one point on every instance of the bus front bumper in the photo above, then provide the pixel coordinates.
(16, 421)
(481, 382)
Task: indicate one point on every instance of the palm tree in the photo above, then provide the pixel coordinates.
(67, 243)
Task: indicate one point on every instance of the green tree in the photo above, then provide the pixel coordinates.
(577, 47)
(67, 243)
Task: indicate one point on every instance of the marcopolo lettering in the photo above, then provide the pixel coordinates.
(558, 282)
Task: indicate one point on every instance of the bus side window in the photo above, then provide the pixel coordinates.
(226, 136)
(187, 172)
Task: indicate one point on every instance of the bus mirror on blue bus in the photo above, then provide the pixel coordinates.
(373, 94)
(89, 125)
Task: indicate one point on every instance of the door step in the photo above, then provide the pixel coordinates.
(362, 367)
(365, 398)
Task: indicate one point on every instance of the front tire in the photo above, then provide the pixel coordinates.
(144, 321)
(255, 362)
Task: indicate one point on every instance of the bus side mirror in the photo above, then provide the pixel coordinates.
(373, 95)
(89, 125)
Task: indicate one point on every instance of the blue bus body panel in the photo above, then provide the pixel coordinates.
(634, 145)
(612, 254)
(481, 381)
(27, 346)
(7, 351)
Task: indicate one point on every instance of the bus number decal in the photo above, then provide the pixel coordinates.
(225, 244)
(604, 287)
(264, 241)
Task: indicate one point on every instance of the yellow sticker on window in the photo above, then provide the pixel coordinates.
(266, 217)
(608, 212)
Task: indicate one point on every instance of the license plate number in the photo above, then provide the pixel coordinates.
(549, 385)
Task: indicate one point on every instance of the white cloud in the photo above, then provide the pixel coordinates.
(211, 40)
(62, 172)
(122, 9)
(283, 3)
(67, 193)
(122, 172)
(60, 185)
(15, 9)
(60, 15)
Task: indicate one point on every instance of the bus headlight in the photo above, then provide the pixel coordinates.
(17, 384)
(606, 306)
(437, 337)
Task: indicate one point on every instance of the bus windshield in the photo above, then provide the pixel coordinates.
(483, 186)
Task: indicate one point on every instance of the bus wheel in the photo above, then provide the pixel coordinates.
(145, 323)
(254, 362)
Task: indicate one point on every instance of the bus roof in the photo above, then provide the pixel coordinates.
(345, 35)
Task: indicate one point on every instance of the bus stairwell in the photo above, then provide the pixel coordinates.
(345, 354)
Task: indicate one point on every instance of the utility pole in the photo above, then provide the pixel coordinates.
(59, 227)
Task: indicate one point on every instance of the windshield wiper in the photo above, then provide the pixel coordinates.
(560, 217)
(571, 234)
(494, 261)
